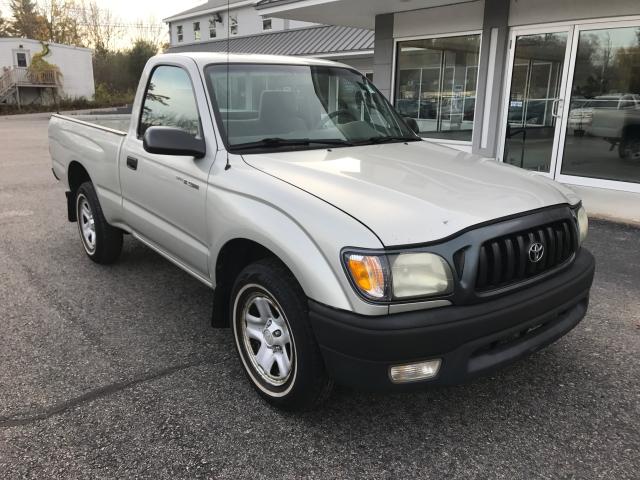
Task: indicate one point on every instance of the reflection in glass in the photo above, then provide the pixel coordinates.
(603, 129)
(535, 88)
(170, 102)
(305, 105)
(437, 85)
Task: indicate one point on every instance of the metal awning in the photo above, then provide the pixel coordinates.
(320, 40)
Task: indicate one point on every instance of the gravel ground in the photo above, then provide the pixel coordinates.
(115, 372)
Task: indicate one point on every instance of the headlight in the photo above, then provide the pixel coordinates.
(583, 224)
(402, 276)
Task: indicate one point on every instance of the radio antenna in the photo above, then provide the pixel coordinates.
(228, 165)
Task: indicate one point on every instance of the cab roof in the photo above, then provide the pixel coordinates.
(206, 58)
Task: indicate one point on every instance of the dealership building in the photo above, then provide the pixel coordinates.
(552, 86)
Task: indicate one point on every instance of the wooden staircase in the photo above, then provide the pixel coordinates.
(13, 78)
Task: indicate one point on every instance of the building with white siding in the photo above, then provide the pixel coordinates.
(20, 84)
(238, 27)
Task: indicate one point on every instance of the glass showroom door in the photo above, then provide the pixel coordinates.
(600, 144)
(533, 108)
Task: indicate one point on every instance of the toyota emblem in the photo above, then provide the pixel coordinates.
(536, 252)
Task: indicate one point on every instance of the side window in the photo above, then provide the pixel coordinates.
(627, 102)
(170, 102)
(233, 24)
(212, 28)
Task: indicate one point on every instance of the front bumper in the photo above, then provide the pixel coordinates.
(471, 340)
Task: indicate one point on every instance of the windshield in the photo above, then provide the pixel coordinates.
(292, 107)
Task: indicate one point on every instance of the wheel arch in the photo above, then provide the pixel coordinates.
(315, 277)
(77, 174)
(232, 258)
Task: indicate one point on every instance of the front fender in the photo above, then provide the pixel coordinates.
(304, 232)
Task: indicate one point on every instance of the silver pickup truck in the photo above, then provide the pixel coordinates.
(340, 246)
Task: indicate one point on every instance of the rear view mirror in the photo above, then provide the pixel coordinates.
(412, 124)
(173, 141)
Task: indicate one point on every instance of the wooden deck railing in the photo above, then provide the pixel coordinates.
(25, 77)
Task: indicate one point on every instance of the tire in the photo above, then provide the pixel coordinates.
(273, 338)
(629, 147)
(102, 242)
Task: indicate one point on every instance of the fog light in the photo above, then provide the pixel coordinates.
(414, 372)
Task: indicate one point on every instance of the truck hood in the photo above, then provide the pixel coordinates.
(413, 193)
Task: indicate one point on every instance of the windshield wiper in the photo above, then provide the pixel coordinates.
(375, 140)
(287, 142)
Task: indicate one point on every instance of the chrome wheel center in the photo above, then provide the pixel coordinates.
(87, 224)
(267, 339)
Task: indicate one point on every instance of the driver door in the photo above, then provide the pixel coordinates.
(164, 196)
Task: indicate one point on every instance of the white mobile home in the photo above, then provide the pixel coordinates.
(20, 84)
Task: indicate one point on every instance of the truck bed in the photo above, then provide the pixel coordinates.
(112, 121)
(95, 142)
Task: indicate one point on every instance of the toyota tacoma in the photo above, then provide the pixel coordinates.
(339, 245)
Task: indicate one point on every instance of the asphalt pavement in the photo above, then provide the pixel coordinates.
(115, 372)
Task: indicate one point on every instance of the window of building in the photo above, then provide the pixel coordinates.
(212, 28)
(21, 59)
(179, 32)
(266, 24)
(603, 130)
(196, 31)
(436, 82)
(170, 101)
(233, 24)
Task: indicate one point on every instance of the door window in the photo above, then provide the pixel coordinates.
(21, 59)
(603, 130)
(536, 84)
(170, 102)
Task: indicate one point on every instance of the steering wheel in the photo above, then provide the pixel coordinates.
(337, 113)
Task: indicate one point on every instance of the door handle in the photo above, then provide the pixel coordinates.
(555, 107)
(132, 163)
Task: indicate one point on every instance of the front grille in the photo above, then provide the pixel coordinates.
(505, 261)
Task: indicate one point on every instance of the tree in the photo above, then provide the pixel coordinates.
(101, 29)
(141, 51)
(62, 22)
(4, 27)
(150, 31)
(27, 21)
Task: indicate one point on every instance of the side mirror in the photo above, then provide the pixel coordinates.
(173, 141)
(413, 125)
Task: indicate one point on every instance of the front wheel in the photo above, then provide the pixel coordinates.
(101, 241)
(629, 148)
(273, 337)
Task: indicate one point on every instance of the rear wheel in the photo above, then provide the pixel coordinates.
(273, 337)
(101, 241)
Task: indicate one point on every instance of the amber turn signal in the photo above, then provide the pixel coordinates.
(368, 274)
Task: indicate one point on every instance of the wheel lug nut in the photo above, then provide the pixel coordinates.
(277, 333)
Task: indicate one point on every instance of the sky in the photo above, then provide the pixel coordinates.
(132, 10)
